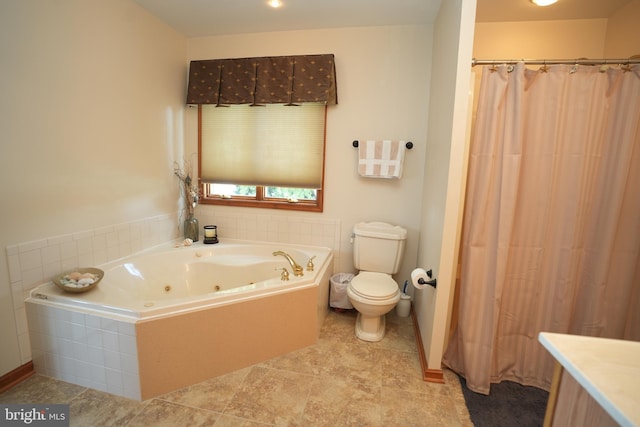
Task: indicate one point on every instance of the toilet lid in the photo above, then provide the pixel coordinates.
(374, 285)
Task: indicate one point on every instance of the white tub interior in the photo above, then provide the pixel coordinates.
(170, 278)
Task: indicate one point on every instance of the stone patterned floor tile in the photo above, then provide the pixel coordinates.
(339, 381)
(339, 326)
(271, 396)
(99, 409)
(229, 421)
(336, 402)
(160, 413)
(402, 371)
(409, 409)
(354, 362)
(214, 394)
(41, 389)
(309, 360)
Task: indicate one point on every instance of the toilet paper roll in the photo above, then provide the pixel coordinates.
(418, 274)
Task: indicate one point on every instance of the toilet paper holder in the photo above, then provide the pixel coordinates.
(432, 282)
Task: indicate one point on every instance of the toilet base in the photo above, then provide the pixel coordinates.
(370, 328)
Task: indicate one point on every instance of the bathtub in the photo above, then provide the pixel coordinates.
(176, 315)
(173, 278)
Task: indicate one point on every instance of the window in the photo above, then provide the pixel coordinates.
(269, 156)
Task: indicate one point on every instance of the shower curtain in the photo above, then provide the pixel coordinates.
(551, 232)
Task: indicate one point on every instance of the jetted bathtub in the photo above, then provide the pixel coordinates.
(176, 315)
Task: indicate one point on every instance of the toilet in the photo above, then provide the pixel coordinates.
(377, 253)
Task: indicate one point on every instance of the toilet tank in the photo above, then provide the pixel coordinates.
(378, 247)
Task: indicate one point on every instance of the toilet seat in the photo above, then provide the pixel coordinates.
(374, 286)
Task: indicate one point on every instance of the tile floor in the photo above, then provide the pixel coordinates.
(340, 381)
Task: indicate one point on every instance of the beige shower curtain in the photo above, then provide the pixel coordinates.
(551, 236)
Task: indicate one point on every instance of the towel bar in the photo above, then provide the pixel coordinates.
(409, 144)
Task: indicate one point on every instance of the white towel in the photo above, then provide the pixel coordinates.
(381, 159)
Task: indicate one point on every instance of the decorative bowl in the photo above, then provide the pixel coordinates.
(66, 283)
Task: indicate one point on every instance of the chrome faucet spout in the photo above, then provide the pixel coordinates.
(297, 269)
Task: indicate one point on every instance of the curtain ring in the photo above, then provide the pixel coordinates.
(604, 66)
(574, 68)
(544, 67)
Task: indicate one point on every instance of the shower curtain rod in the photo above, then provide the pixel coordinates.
(582, 61)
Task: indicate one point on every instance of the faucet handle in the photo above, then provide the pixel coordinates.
(285, 273)
(310, 265)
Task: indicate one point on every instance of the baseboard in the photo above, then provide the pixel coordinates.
(429, 375)
(16, 376)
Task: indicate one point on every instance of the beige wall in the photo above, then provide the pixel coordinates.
(540, 39)
(112, 121)
(622, 39)
(383, 88)
(615, 37)
(421, 201)
(90, 124)
(445, 171)
(583, 38)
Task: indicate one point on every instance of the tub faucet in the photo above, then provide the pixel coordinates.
(297, 269)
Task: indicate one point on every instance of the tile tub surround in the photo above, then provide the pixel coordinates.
(31, 263)
(84, 349)
(300, 230)
(337, 381)
(143, 357)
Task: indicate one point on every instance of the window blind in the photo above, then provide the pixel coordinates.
(273, 145)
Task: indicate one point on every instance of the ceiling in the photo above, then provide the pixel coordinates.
(198, 18)
(524, 10)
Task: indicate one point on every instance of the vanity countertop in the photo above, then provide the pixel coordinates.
(608, 369)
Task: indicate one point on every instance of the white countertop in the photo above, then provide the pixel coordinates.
(608, 369)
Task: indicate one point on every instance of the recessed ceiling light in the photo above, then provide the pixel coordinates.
(543, 2)
(275, 3)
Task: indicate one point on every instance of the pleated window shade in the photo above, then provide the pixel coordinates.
(273, 145)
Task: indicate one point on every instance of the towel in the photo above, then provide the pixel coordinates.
(381, 159)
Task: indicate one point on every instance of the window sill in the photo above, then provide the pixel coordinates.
(264, 204)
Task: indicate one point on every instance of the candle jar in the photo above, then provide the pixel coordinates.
(210, 234)
(191, 228)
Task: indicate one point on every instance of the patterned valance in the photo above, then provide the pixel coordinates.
(263, 80)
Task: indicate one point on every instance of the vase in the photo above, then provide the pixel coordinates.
(191, 228)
